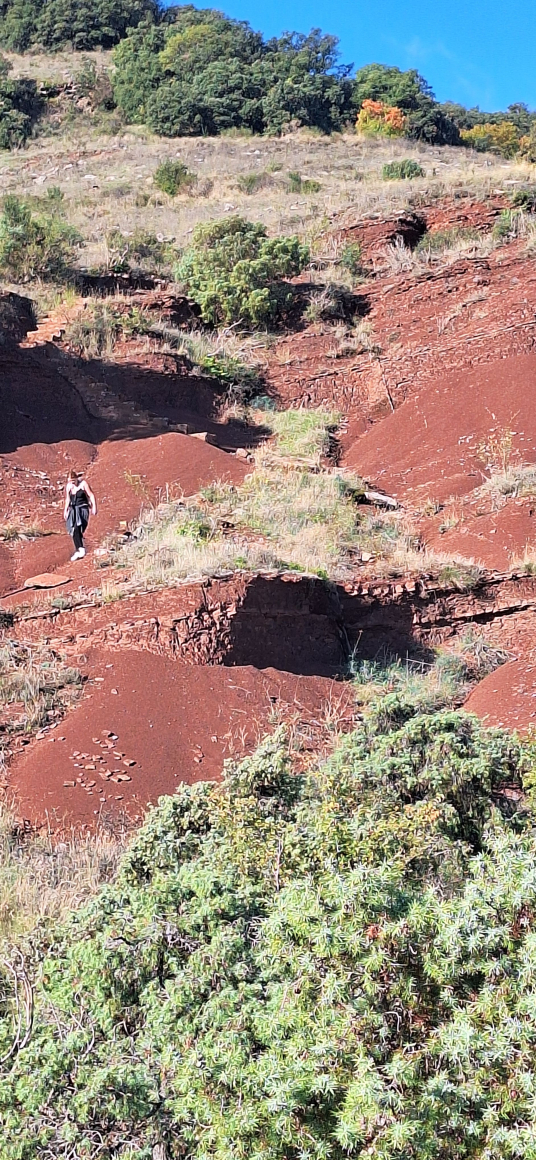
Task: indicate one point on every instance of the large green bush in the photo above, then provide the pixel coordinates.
(236, 273)
(199, 72)
(35, 245)
(331, 966)
(82, 24)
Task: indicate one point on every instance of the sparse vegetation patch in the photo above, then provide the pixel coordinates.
(35, 245)
(173, 177)
(402, 170)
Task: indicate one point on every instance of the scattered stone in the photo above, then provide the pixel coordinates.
(46, 580)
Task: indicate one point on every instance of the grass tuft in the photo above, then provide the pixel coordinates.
(301, 434)
(42, 881)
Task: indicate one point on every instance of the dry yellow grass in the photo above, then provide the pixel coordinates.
(107, 179)
(42, 881)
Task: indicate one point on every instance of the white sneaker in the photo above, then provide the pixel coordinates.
(81, 553)
(76, 555)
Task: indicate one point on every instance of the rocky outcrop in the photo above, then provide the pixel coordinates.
(17, 317)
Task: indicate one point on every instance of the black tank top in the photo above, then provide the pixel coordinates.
(79, 498)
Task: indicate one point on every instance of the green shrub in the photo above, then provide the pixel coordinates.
(38, 245)
(253, 182)
(173, 177)
(235, 272)
(402, 170)
(333, 965)
(350, 258)
(298, 184)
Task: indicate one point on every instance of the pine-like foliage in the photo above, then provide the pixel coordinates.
(236, 273)
(329, 966)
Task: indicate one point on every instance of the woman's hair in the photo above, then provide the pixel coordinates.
(73, 477)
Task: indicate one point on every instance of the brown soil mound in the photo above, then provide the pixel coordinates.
(125, 474)
(507, 697)
(175, 723)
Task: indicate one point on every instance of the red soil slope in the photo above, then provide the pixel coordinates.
(507, 698)
(175, 723)
(430, 448)
(452, 355)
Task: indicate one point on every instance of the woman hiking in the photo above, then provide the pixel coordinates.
(79, 499)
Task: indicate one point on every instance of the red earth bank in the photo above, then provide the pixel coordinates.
(176, 722)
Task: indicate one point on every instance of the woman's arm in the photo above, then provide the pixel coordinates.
(66, 501)
(90, 496)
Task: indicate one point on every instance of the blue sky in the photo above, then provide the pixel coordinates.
(470, 51)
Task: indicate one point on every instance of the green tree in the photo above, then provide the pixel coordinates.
(201, 73)
(79, 23)
(379, 82)
(409, 91)
(236, 273)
